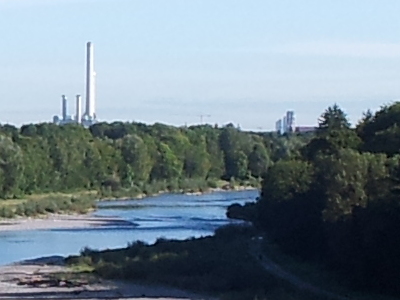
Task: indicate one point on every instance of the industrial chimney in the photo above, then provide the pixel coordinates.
(64, 108)
(78, 116)
(90, 82)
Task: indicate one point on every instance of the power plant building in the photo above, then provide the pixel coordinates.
(88, 118)
(278, 126)
(286, 124)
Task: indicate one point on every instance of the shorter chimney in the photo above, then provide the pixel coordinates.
(78, 116)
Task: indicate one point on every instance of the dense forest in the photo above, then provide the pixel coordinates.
(336, 201)
(45, 158)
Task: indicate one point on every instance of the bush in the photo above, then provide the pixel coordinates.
(29, 209)
(20, 211)
(173, 186)
(112, 183)
(254, 182)
(217, 265)
(212, 183)
(6, 212)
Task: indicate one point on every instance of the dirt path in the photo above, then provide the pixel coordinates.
(276, 270)
(30, 281)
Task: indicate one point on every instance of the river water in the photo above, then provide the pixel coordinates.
(169, 215)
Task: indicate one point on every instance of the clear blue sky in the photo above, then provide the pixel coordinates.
(240, 61)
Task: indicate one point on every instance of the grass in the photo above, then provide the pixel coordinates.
(219, 266)
(43, 204)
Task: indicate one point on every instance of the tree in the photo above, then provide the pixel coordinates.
(259, 161)
(197, 162)
(235, 147)
(240, 165)
(343, 179)
(135, 154)
(289, 210)
(333, 118)
(11, 167)
(333, 134)
(168, 165)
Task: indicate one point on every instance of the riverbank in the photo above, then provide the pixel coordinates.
(60, 222)
(188, 187)
(82, 202)
(84, 219)
(219, 265)
(40, 279)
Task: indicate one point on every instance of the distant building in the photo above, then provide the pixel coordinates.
(304, 129)
(278, 126)
(289, 121)
(287, 124)
(284, 124)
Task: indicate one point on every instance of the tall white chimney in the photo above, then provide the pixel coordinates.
(64, 107)
(78, 116)
(90, 82)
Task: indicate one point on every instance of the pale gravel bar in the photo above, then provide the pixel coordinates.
(12, 274)
(60, 222)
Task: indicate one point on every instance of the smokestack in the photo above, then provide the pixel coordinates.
(90, 84)
(64, 107)
(78, 109)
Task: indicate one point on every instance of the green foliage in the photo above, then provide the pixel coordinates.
(333, 118)
(123, 158)
(259, 161)
(380, 132)
(6, 212)
(287, 179)
(136, 156)
(338, 201)
(11, 167)
(52, 203)
(343, 179)
(206, 265)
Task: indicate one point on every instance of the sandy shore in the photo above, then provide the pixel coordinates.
(60, 222)
(13, 277)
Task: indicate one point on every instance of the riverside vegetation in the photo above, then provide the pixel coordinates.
(332, 202)
(336, 204)
(219, 266)
(46, 168)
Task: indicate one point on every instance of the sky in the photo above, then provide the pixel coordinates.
(244, 62)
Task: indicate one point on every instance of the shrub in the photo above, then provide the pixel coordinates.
(6, 212)
(212, 183)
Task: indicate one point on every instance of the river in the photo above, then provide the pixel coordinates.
(170, 216)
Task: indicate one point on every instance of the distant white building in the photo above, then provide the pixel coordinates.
(286, 124)
(289, 121)
(278, 126)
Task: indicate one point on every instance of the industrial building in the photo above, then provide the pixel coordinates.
(88, 118)
(287, 124)
(278, 126)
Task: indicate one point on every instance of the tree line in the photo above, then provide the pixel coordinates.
(40, 158)
(336, 201)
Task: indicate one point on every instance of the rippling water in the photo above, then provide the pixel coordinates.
(168, 215)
